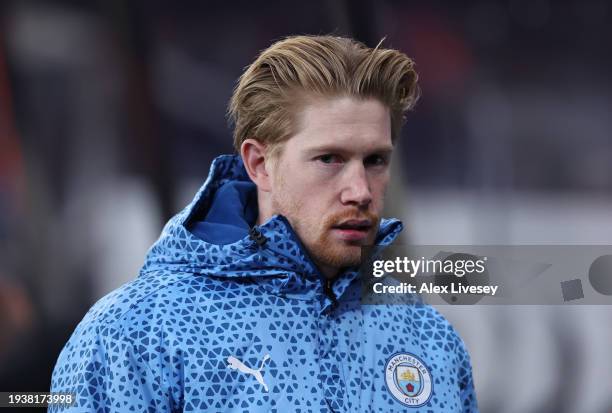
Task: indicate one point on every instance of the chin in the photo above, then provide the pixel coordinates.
(340, 256)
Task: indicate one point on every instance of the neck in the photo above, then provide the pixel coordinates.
(264, 204)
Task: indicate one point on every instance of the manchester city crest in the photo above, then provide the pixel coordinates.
(408, 379)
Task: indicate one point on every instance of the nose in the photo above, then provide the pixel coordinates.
(356, 188)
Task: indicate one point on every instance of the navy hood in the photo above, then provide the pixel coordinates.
(233, 212)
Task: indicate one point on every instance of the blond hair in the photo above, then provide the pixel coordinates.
(268, 93)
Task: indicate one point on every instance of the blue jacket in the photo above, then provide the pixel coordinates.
(227, 316)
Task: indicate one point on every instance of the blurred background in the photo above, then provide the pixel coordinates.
(111, 112)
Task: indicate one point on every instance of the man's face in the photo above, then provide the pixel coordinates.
(330, 178)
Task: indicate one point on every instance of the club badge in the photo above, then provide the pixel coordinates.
(408, 379)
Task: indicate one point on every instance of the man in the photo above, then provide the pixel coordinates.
(250, 299)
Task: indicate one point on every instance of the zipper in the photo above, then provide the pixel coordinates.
(329, 291)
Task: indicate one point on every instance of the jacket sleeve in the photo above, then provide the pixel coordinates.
(468, 393)
(108, 370)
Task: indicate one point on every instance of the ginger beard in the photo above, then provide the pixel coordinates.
(315, 232)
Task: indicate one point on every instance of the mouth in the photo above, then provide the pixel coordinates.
(353, 230)
(355, 224)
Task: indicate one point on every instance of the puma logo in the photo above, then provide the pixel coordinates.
(234, 363)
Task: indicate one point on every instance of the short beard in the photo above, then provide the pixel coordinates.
(324, 251)
(342, 254)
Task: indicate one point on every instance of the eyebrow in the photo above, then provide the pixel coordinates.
(384, 149)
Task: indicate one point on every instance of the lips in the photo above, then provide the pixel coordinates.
(355, 224)
(353, 230)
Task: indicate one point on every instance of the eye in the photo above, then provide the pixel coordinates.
(329, 158)
(376, 160)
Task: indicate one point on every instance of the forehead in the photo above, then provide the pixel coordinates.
(347, 122)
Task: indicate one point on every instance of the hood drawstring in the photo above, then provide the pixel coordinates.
(257, 236)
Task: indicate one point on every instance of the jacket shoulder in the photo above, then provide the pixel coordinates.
(114, 306)
(119, 344)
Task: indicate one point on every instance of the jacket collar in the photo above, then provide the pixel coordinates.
(271, 253)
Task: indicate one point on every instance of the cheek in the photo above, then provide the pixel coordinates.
(294, 195)
(379, 186)
(312, 186)
(380, 183)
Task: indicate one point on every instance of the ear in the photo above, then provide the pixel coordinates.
(253, 155)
